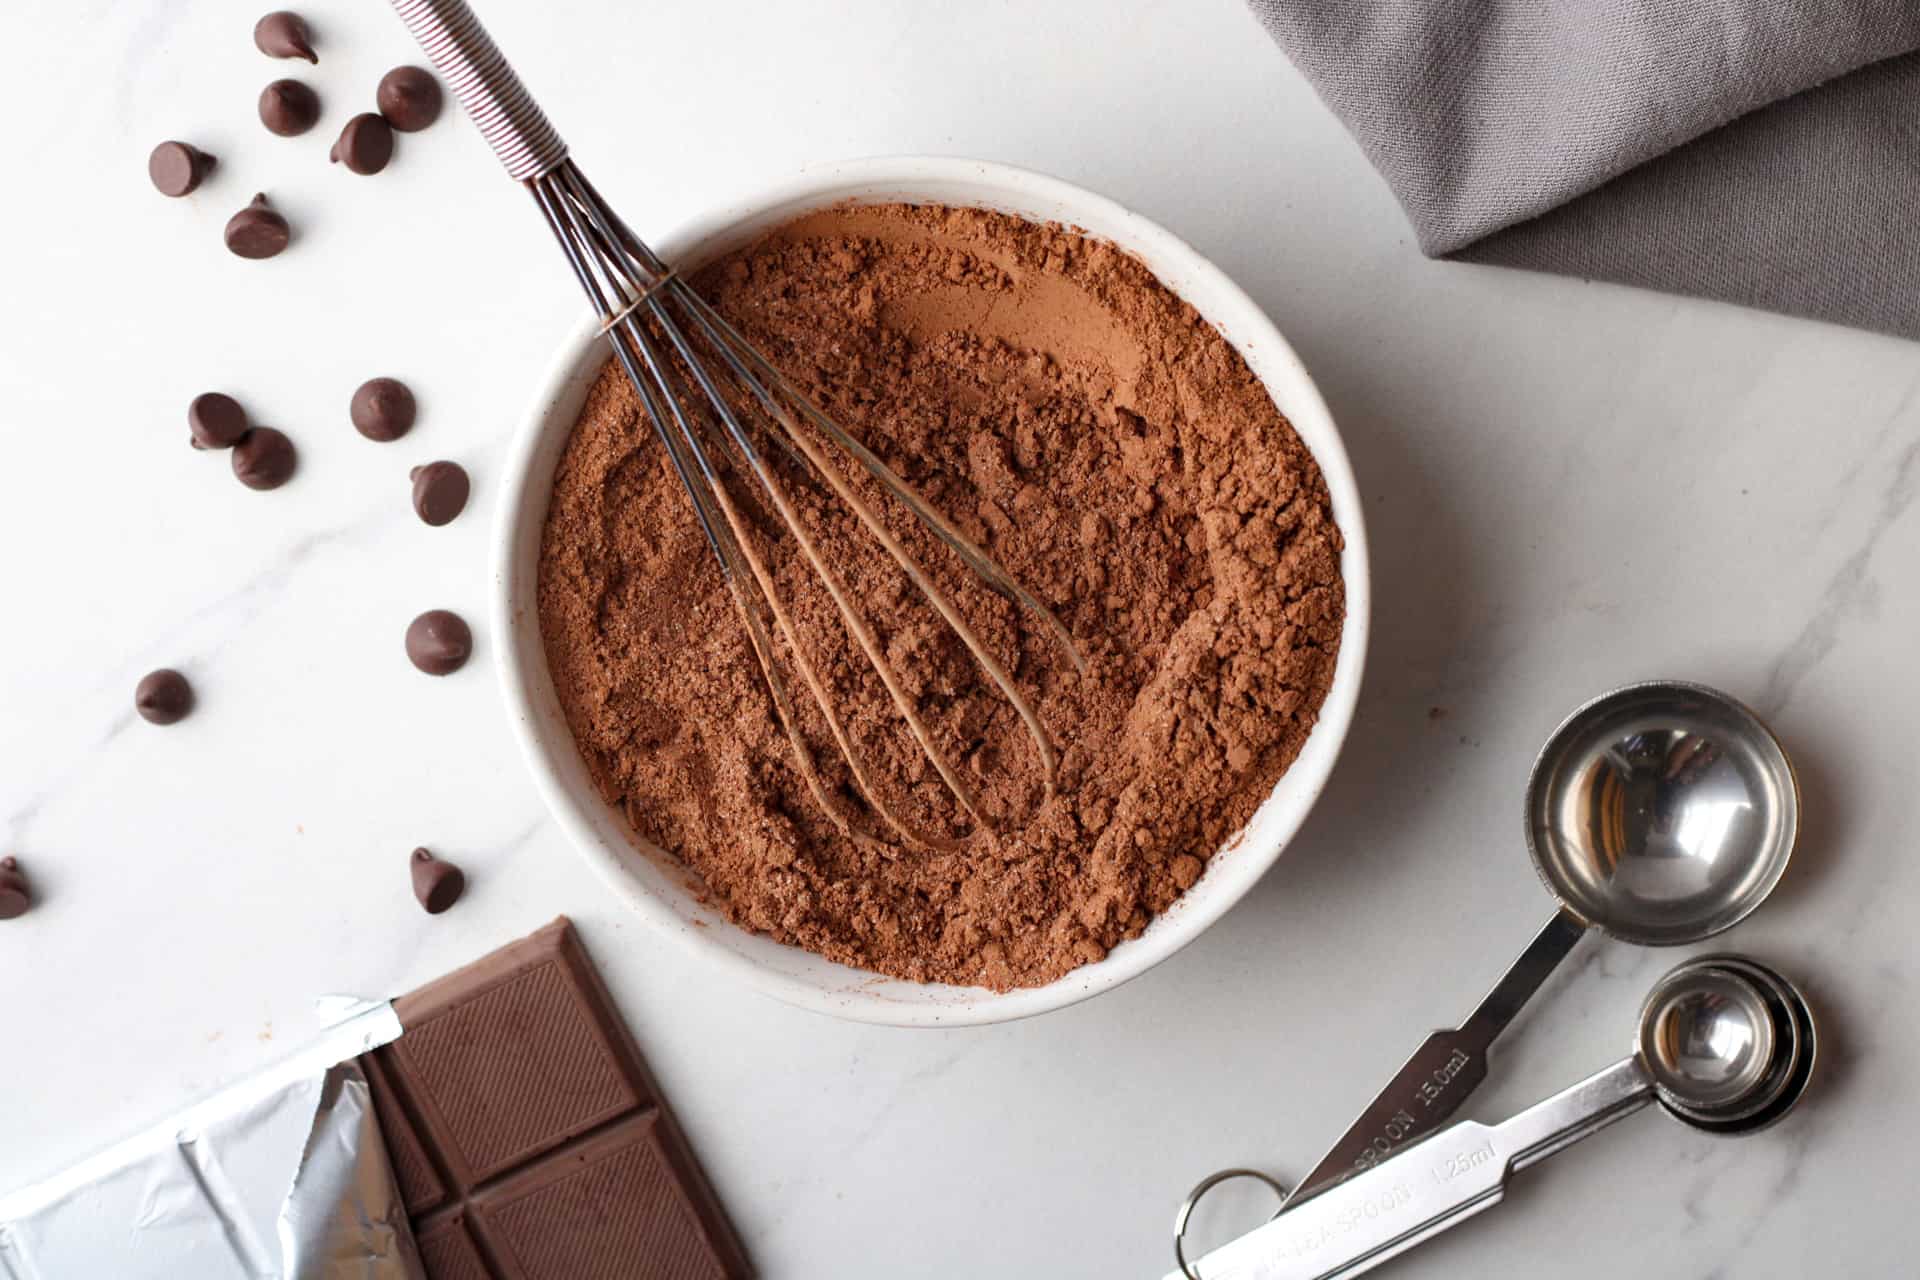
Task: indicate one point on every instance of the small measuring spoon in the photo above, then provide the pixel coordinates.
(1725, 1044)
(1660, 813)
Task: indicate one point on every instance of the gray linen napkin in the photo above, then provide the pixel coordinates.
(1765, 152)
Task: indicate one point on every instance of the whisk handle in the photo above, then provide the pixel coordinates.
(471, 64)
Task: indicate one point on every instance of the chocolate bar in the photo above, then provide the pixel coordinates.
(527, 1137)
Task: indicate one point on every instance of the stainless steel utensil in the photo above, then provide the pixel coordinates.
(1725, 1044)
(717, 406)
(1660, 813)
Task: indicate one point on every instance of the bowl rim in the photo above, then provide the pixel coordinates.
(866, 997)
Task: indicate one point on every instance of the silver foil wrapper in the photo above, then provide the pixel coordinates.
(282, 1176)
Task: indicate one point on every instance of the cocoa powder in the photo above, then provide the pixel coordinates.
(1102, 442)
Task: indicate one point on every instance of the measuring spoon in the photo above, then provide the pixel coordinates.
(1725, 1044)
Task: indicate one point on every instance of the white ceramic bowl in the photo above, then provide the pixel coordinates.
(654, 884)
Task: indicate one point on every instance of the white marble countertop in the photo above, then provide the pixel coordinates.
(1568, 486)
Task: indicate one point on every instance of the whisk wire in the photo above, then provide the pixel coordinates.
(938, 598)
(976, 559)
(727, 535)
(722, 531)
(625, 281)
(854, 619)
(728, 339)
(851, 616)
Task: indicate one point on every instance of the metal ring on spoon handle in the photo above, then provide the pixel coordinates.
(1200, 1189)
(486, 87)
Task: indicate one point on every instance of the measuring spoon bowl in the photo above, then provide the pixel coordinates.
(1662, 812)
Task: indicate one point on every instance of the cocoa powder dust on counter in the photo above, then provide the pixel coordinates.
(1102, 442)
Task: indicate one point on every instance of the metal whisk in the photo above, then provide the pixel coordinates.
(691, 368)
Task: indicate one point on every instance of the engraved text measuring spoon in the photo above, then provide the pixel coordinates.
(1660, 813)
(1725, 1044)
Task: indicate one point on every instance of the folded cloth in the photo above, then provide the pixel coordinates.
(1765, 152)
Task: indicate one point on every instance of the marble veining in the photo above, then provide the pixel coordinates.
(1850, 593)
(1568, 486)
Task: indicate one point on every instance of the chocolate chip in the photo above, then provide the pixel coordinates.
(438, 642)
(264, 458)
(382, 409)
(163, 696)
(216, 421)
(409, 98)
(257, 231)
(178, 167)
(289, 108)
(437, 884)
(440, 491)
(15, 897)
(282, 34)
(365, 145)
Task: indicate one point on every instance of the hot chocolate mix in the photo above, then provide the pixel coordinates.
(1105, 445)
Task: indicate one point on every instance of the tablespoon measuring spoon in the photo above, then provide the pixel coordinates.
(1660, 813)
(1725, 1044)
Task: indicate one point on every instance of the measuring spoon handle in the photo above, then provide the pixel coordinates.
(1433, 1083)
(1358, 1224)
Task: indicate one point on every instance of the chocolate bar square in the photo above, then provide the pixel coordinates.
(618, 1193)
(420, 1185)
